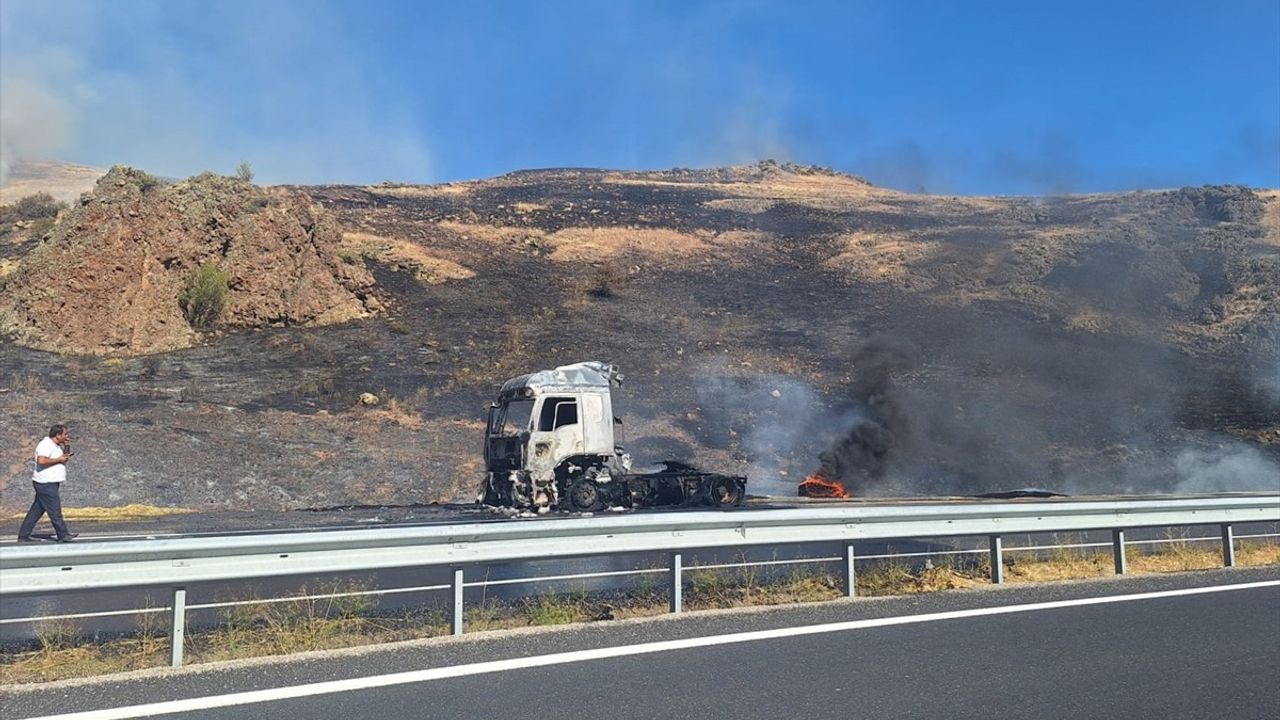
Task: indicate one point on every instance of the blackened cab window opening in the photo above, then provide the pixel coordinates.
(557, 412)
(515, 416)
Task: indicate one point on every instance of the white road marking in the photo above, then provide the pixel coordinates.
(415, 676)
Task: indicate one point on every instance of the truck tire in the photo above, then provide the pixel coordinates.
(584, 496)
(722, 492)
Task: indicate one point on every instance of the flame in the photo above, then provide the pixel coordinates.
(818, 485)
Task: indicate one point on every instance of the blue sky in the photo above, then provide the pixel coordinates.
(954, 97)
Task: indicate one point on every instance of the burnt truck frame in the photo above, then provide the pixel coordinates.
(552, 443)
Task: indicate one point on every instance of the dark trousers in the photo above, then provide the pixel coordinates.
(47, 501)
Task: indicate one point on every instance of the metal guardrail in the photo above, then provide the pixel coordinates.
(179, 562)
(597, 575)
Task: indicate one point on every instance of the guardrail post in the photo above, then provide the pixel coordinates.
(178, 629)
(1228, 546)
(1117, 549)
(850, 574)
(997, 559)
(677, 582)
(457, 600)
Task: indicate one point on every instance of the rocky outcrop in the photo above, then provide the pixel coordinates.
(108, 276)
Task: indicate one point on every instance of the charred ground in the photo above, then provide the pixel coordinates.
(771, 320)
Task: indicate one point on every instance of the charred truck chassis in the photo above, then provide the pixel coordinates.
(550, 445)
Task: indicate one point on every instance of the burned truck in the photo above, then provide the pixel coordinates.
(552, 443)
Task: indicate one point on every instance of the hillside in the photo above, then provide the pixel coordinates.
(771, 320)
(62, 181)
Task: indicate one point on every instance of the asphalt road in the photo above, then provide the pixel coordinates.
(1155, 647)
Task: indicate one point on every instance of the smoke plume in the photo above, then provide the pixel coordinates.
(777, 413)
(1005, 410)
(1232, 466)
(178, 88)
(34, 122)
(879, 425)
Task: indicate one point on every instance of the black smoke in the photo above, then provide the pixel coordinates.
(879, 420)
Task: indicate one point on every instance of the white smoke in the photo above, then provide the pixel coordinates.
(1231, 467)
(787, 409)
(1269, 375)
(5, 157)
(776, 414)
(1269, 380)
(37, 119)
(34, 124)
(756, 126)
(301, 111)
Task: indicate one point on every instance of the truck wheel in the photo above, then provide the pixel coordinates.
(584, 496)
(722, 492)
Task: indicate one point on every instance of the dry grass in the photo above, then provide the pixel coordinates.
(299, 625)
(751, 206)
(64, 181)
(393, 412)
(603, 244)
(911, 260)
(823, 192)
(1048, 245)
(7, 267)
(1271, 216)
(896, 578)
(132, 511)
(1087, 565)
(831, 192)
(47, 665)
(1085, 318)
(59, 655)
(407, 256)
(421, 191)
(739, 239)
(747, 587)
(884, 257)
(584, 244)
(1178, 556)
(494, 234)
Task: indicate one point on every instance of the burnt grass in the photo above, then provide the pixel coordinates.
(754, 359)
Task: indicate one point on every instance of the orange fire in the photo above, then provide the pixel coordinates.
(818, 485)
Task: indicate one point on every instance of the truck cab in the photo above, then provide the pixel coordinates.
(552, 443)
(551, 434)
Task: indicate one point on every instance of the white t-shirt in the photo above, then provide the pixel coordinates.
(49, 473)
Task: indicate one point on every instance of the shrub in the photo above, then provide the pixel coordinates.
(7, 268)
(555, 609)
(57, 633)
(244, 171)
(147, 181)
(31, 207)
(205, 296)
(40, 228)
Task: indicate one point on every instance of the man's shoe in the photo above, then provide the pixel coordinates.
(26, 538)
(69, 537)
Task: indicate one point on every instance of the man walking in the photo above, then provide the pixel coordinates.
(52, 455)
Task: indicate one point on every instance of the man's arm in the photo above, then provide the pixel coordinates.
(45, 460)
